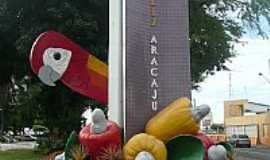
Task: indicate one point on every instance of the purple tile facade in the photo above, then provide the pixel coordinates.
(157, 58)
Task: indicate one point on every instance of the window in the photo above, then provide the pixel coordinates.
(251, 130)
(243, 136)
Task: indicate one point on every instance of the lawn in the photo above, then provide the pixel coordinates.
(19, 155)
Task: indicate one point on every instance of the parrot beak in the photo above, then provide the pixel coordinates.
(48, 76)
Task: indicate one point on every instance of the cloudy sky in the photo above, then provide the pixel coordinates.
(252, 58)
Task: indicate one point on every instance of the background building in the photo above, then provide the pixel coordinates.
(214, 131)
(250, 118)
(207, 122)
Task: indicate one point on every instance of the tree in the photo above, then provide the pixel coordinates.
(218, 128)
(20, 23)
(215, 26)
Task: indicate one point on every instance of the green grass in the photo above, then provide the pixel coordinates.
(19, 155)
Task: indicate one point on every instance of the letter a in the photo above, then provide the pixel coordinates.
(154, 39)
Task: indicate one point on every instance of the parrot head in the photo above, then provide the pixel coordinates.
(55, 57)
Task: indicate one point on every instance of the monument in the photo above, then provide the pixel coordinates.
(149, 62)
(149, 86)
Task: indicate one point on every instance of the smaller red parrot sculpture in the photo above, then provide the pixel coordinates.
(55, 57)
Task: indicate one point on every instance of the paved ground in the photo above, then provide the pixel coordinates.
(19, 145)
(254, 153)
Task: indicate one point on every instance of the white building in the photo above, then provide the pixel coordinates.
(207, 122)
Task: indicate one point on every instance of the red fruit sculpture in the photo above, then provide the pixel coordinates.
(102, 138)
(207, 143)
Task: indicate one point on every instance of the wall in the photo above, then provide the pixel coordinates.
(262, 122)
(217, 137)
(234, 108)
(259, 123)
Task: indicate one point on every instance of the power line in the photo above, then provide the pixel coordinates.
(264, 77)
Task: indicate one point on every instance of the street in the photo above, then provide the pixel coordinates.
(254, 153)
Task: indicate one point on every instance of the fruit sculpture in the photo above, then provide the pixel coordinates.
(229, 149)
(186, 148)
(177, 118)
(217, 152)
(171, 134)
(70, 144)
(144, 147)
(207, 143)
(100, 136)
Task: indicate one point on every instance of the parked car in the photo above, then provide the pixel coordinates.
(24, 138)
(240, 140)
(33, 134)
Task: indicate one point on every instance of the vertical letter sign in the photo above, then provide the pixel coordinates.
(155, 56)
(157, 66)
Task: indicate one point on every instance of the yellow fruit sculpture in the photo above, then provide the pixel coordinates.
(176, 119)
(144, 146)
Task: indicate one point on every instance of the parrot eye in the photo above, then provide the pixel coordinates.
(57, 56)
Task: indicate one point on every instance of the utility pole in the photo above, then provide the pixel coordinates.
(1, 120)
(246, 92)
(230, 85)
(194, 103)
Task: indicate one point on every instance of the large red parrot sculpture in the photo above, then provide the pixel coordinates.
(55, 57)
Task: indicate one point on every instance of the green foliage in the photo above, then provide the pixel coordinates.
(219, 128)
(21, 22)
(215, 26)
(71, 143)
(37, 128)
(210, 44)
(47, 145)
